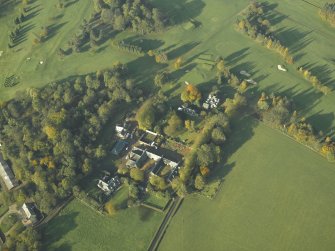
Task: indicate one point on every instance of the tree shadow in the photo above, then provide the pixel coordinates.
(145, 214)
(322, 72)
(245, 66)
(236, 56)
(275, 17)
(292, 38)
(23, 34)
(181, 50)
(143, 71)
(145, 44)
(63, 247)
(7, 5)
(69, 3)
(180, 11)
(107, 33)
(299, 56)
(53, 29)
(322, 121)
(59, 227)
(32, 13)
(178, 74)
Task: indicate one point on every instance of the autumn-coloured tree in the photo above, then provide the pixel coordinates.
(199, 182)
(51, 132)
(190, 94)
(177, 63)
(137, 174)
(110, 208)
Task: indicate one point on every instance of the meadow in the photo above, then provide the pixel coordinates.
(276, 195)
(273, 187)
(296, 23)
(78, 227)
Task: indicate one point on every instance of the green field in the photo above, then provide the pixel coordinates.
(78, 227)
(276, 195)
(296, 23)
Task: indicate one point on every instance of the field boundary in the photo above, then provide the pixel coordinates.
(175, 205)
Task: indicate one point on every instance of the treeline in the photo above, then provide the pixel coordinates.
(49, 135)
(314, 81)
(327, 13)
(137, 15)
(121, 45)
(278, 112)
(224, 75)
(253, 22)
(16, 35)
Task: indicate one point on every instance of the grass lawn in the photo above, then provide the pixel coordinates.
(296, 23)
(276, 195)
(78, 227)
(8, 222)
(154, 200)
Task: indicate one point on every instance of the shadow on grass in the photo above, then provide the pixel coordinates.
(322, 121)
(63, 247)
(6, 6)
(23, 34)
(145, 44)
(236, 56)
(294, 39)
(145, 214)
(245, 66)
(242, 131)
(177, 52)
(304, 101)
(53, 29)
(178, 74)
(69, 3)
(272, 15)
(32, 13)
(180, 11)
(58, 228)
(322, 72)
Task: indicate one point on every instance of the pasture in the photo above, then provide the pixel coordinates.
(296, 23)
(276, 195)
(78, 227)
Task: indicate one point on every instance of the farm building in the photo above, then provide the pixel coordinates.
(109, 185)
(136, 158)
(29, 214)
(7, 174)
(119, 147)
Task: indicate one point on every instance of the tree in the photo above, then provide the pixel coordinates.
(145, 116)
(189, 125)
(175, 125)
(133, 191)
(218, 136)
(179, 187)
(137, 174)
(177, 63)
(158, 182)
(51, 132)
(110, 208)
(190, 94)
(199, 182)
(205, 155)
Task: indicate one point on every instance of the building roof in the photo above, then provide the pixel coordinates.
(28, 210)
(7, 174)
(136, 157)
(119, 146)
